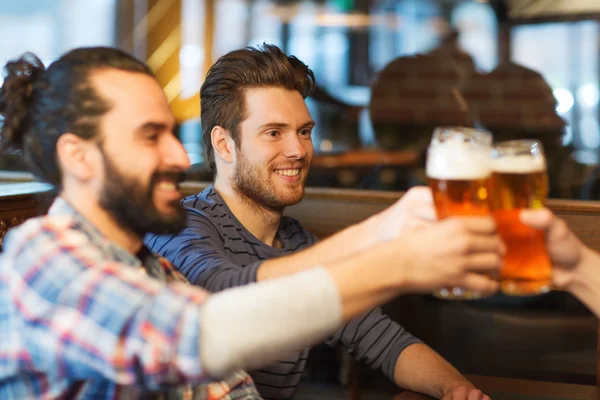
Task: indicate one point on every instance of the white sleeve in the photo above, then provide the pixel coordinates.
(254, 325)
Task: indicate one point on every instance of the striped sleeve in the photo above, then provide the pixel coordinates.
(88, 319)
(375, 339)
(198, 253)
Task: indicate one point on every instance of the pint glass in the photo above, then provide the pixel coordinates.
(458, 172)
(519, 181)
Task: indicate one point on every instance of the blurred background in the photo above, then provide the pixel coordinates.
(388, 71)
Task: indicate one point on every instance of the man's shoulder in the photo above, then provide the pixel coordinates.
(206, 218)
(207, 203)
(34, 228)
(45, 234)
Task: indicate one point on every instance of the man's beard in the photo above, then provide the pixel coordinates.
(249, 184)
(132, 204)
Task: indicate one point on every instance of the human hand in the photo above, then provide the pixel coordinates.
(452, 252)
(413, 211)
(564, 248)
(464, 392)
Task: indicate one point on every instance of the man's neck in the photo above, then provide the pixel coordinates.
(103, 221)
(259, 221)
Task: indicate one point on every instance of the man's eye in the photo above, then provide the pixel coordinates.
(273, 133)
(305, 132)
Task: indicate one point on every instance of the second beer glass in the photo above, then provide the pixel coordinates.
(458, 172)
(519, 181)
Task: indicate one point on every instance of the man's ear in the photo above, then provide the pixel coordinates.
(73, 156)
(222, 144)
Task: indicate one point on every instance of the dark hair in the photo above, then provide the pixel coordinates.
(39, 105)
(222, 96)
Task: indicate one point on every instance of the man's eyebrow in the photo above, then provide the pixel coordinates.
(153, 126)
(307, 125)
(283, 125)
(271, 125)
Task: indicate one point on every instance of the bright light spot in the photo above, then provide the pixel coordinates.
(586, 157)
(565, 100)
(191, 55)
(335, 42)
(590, 132)
(588, 95)
(567, 136)
(326, 146)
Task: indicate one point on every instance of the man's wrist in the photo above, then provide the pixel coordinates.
(584, 277)
(454, 384)
(370, 230)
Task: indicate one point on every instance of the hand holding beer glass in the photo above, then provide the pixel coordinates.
(519, 181)
(458, 171)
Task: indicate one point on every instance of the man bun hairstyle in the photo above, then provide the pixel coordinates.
(15, 98)
(38, 105)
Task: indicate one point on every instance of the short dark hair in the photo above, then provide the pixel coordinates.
(38, 105)
(222, 96)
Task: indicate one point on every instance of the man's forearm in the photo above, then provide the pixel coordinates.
(359, 282)
(252, 326)
(353, 239)
(422, 370)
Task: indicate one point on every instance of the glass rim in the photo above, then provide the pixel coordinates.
(518, 142)
(532, 147)
(458, 128)
(480, 137)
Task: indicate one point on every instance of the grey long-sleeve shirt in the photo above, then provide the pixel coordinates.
(216, 252)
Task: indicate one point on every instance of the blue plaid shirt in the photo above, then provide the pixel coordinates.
(82, 318)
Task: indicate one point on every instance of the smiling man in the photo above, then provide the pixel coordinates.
(83, 303)
(257, 138)
(88, 312)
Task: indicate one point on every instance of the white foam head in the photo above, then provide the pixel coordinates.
(458, 161)
(519, 164)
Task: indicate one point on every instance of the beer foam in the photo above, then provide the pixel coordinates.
(522, 164)
(458, 161)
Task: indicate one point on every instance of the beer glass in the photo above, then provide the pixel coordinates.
(458, 172)
(519, 181)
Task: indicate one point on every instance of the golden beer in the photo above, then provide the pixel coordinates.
(519, 181)
(455, 197)
(458, 173)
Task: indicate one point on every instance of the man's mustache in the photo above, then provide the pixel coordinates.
(175, 176)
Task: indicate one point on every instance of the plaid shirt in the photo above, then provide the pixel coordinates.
(82, 318)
